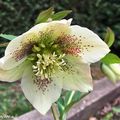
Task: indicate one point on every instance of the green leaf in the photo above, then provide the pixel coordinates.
(44, 15)
(69, 97)
(60, 104)
(77, 97)
(72, 97)
(109, 116)
(116, 109)
(109, 37)
(61, 15)
(8, 37)
(67, 101)
(110, 59)
(61, 108)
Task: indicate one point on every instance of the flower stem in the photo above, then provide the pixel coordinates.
(70, 97)
(63, 117)
(55, 112)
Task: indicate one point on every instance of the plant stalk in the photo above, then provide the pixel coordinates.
(71, 97)
(55, 112)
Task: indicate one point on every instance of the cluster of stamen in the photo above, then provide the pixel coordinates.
(46, 58)
(47, 64)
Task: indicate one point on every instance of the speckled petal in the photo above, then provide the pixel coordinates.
(17, 50)
(92, 48)
(76, 76)
(41, 94)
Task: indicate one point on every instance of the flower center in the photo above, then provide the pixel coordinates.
(46, 57)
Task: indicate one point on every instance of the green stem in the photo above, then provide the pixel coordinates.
(63, 116)
(55, 112)
(70, 98)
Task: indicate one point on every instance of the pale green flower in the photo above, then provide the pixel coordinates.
(50, 57)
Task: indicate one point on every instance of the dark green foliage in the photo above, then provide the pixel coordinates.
(17, 17)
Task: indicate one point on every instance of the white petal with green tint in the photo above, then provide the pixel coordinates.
(8, 62)
(17, 50)
(40, 96)
(57, 28)
(13, 74)
(92, 48)
(21, 42)
(77, 75)
(45, 26)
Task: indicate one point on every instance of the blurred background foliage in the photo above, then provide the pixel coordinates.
(12, 100)
(17, 17)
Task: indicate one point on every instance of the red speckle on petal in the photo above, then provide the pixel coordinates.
(74, 51)
(24, 50)
(42, 84)
(70, 44)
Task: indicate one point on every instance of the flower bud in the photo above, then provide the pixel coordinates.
(112, 71)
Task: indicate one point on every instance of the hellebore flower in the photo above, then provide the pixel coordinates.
(50, 57)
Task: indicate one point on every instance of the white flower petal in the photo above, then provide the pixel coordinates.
(41, 97)
(8, 62)
(44, 26)
(77, 76)
(92, 48)
(21, 41)
(57, 28)
(39, 27)
(64, 21)
(12, 74)
(17, 50)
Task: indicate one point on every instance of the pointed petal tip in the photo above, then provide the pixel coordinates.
(40, 97)
(43, 113)
(91, 89)
(70, 21)
(88, 89)
(65, 21)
